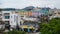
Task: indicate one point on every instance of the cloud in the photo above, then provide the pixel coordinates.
(25, 3)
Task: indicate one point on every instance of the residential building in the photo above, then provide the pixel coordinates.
(55, 13)
(11, 18)
(25, 13)
(36, 12)
(45, 11)
(2, 25)
(30, 19)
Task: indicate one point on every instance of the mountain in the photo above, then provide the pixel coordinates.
(28, 8)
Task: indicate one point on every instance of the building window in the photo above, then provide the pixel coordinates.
(6, 22)
(7, 17)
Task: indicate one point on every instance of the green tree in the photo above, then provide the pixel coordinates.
(15, 32)
(52, 27)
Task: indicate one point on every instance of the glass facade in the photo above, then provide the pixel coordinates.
(7, 17)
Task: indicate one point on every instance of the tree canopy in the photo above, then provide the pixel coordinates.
(15, 32)
(52, 27)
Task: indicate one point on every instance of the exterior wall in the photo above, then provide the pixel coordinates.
(23, 13)
(55, 14)
(28, 13)
(45, 11)
(35, 13)
(30, 19)
(14, 18)
(3, 14)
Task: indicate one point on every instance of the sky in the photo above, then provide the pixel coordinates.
(25, 3)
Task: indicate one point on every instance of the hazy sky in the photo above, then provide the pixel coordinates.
(24, 3)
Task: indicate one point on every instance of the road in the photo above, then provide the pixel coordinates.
(34, 33)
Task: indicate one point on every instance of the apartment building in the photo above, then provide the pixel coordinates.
(55, 13)
(25, 13)
(11, 18)
(2, 25)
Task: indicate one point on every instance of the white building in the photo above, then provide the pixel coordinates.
(11, 18)
(30, 19)
(15, 20)
(55, 13)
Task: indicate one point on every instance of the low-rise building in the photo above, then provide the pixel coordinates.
(11, 18)
(55, 13)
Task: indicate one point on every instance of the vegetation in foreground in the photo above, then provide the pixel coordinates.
(52, 27)
(15, 32)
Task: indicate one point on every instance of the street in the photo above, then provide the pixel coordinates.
(34, 33)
